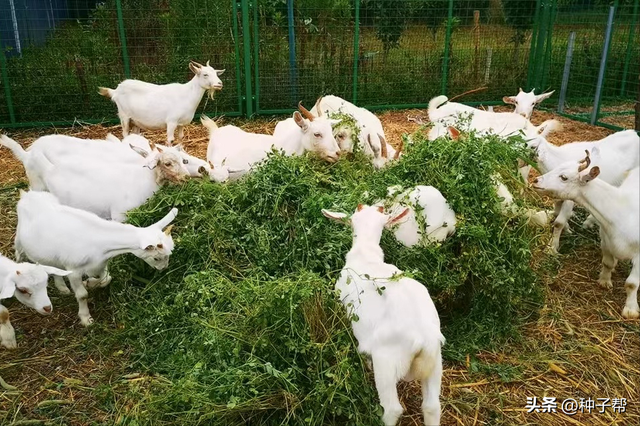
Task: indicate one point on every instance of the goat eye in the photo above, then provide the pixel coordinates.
(564, 178)
(167, 164)
(185, 161)
(317, 135)
(206, 75)
(157, 259)
(23, 291)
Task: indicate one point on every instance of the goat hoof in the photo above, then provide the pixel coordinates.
(630, 313)
(391, 416)
(10, 343)
(606, 284)
(86, 321)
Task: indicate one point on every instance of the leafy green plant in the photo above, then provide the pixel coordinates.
(244, 325)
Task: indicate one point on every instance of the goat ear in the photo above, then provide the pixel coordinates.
(397, 218)
(374, 148)
(143, 153)
(509, 99)
(336, 216)
(220, 72)
(593, 173)
(194, 67)
(544, 96)
(179, 147)
(300, 121)
(165, 221)
(7, 288)
(168, 229)
(50, 270)
(160, 150)
(453, 132)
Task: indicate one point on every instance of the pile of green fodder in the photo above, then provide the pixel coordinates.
(244, 325)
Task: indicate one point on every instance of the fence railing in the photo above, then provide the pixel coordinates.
(376, 53)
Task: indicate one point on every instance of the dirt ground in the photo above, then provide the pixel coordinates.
(578, 347)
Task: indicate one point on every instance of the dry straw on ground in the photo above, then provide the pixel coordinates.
(578, 347)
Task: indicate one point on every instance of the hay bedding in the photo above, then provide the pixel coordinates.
(579, 329)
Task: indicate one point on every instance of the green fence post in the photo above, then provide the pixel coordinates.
(356, 52)
(542, 36)
(532, 49)
(123, 40)
(234, 4)
(549, 46)
(7, 86)
(447, 41)
(246, 40)
(256, 57)
(627, 59)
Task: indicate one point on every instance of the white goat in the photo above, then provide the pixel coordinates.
(394, 318)
(372, 138)
(444, 114)
(28, 283)
(85, 179)
(617, 210)
(232, 150)
(615, 154)
(78, 241)
(109, 191)
(437, 220)
(60, 147)
(525, 102)
(168, 106)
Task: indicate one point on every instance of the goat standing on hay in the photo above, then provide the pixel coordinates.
(167, 106)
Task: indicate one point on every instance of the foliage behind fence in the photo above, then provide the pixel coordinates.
(377, 53)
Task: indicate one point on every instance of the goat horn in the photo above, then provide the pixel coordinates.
(399, 150)
(584, 163)
(305, 112)
(196, 64)
(318, 106)
(383, 146)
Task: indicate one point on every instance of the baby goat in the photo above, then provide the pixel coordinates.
(617, 210)
(394, 318)
(167, 106)
(28, 283)
(82, 243)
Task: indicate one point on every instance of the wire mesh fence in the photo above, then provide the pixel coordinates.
(376, 53)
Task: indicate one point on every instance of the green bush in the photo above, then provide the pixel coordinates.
(244, 328)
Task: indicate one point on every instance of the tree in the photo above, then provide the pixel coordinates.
(519, 15)
(390, 21)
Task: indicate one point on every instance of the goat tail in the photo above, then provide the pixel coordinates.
(106, 92)
(208, 123)
(435, 103)
(15, 147)
(547, 127)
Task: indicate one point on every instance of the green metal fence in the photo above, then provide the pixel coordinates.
(376, 53)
